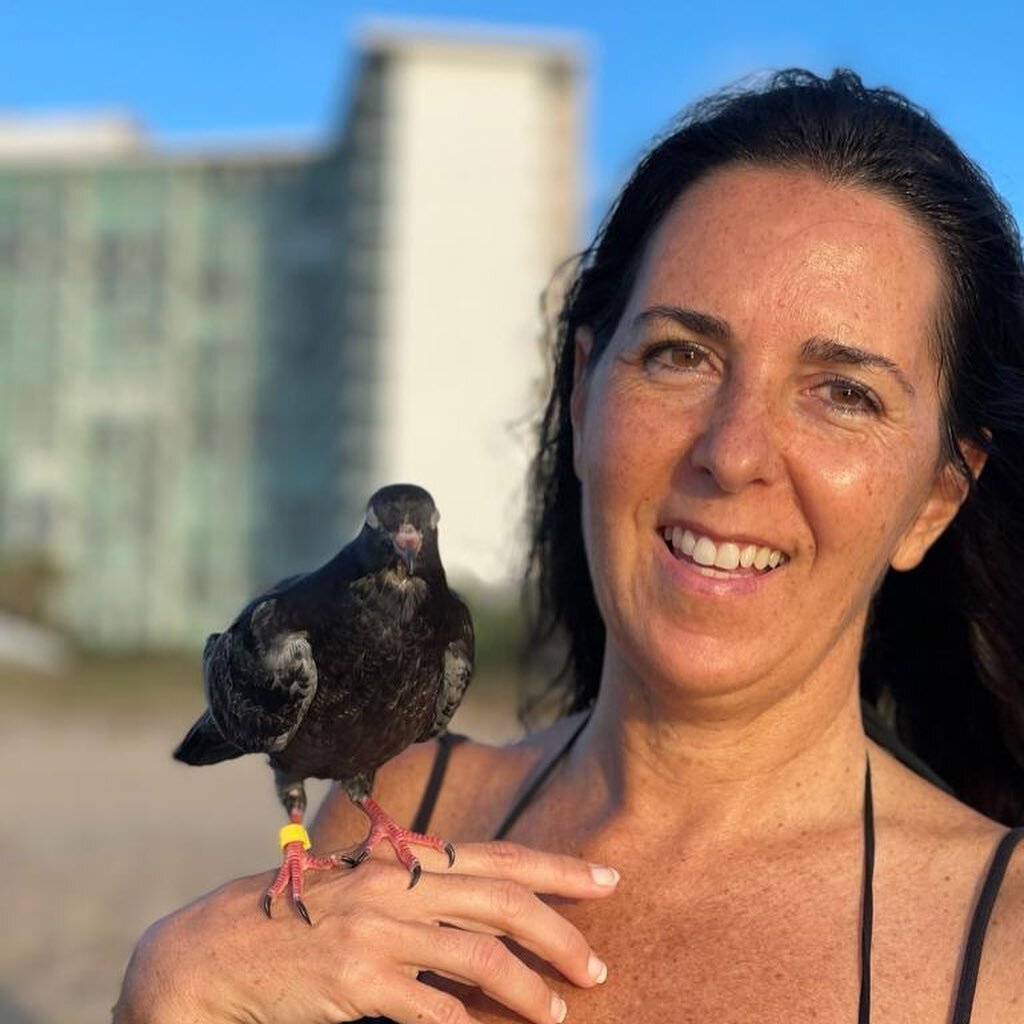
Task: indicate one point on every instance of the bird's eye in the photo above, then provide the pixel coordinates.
(371, 518)
(435, 518)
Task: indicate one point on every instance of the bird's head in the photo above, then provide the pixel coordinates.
(403, 519)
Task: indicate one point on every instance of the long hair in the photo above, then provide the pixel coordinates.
(944, 654)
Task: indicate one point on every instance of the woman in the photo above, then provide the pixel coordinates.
(792, 355)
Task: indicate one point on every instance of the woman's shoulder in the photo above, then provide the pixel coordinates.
(480, 781)
(912, 804)
(993, 938)
(947, 855)
(920, 823)
(1000, 983)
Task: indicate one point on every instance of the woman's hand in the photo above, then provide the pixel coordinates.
(221, 960)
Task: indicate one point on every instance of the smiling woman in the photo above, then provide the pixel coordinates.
(734, 425)
(785, 432)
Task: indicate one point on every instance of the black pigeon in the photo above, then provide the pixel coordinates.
(334, 672)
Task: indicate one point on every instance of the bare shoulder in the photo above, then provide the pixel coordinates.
(940, 853)
(1000, 990)
(480, 782)
(925, 815)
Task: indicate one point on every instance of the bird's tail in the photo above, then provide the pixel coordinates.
(204, 744)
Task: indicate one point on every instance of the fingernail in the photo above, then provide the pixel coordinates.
(558, 1009)
(597, 970)
(602, 875)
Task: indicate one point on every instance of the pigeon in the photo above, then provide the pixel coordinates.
(333, 672)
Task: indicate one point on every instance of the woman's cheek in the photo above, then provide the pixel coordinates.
(846, 493)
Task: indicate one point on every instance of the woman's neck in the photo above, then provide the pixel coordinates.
(711, 769)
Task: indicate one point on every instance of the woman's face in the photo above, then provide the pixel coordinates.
(770, 397)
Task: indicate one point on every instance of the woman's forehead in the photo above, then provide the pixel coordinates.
(788, 220)
(757, 243)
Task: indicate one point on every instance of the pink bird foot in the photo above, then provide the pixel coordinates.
(383, 826)
(296, 862)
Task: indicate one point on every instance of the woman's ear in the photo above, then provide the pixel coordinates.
(583, 345)
(949, 491)
(975, 457)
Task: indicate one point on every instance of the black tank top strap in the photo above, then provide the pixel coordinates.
(446, 742)
(867, 900)
(979, 925)
(534, 781)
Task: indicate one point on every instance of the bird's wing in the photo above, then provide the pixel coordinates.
(458, 669)
(260, 679)
(205, 744)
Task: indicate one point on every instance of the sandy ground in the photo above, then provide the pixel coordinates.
(102, 833)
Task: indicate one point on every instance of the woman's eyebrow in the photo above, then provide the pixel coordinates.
(814, 350)
(828, 350)
(700, 323)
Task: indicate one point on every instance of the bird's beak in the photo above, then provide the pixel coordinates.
(408, 540)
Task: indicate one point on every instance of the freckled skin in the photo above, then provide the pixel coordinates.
(753, 442)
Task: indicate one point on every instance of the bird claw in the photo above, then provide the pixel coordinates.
(450, 850)
(414, 873)
(354, 860)
(301, 908)
(265, 903)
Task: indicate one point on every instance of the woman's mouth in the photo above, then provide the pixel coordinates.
(721, 559)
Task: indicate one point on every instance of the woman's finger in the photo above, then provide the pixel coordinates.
(552, 873)
(408, 1001)
(486, 962)
(505, 907)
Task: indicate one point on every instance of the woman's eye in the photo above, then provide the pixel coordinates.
(849, 397)
(676, 356)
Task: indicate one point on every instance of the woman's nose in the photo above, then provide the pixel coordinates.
(737, 445)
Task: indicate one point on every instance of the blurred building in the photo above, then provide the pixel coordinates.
(209, 360)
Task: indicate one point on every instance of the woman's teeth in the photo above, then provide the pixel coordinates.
(726, 555)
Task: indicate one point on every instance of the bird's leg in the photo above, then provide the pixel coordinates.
(296, 859)
(383, 826)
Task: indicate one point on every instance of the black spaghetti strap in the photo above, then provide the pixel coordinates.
(979, 925)
(540, 775)
(867, 901)
(445, 742)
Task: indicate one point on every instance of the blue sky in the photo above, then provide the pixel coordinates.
(192, 69)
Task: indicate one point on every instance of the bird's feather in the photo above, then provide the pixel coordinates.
(458, 669)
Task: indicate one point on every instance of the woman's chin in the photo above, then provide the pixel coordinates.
(691, 669)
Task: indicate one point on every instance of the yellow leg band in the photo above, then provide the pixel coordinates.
(294, 834)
